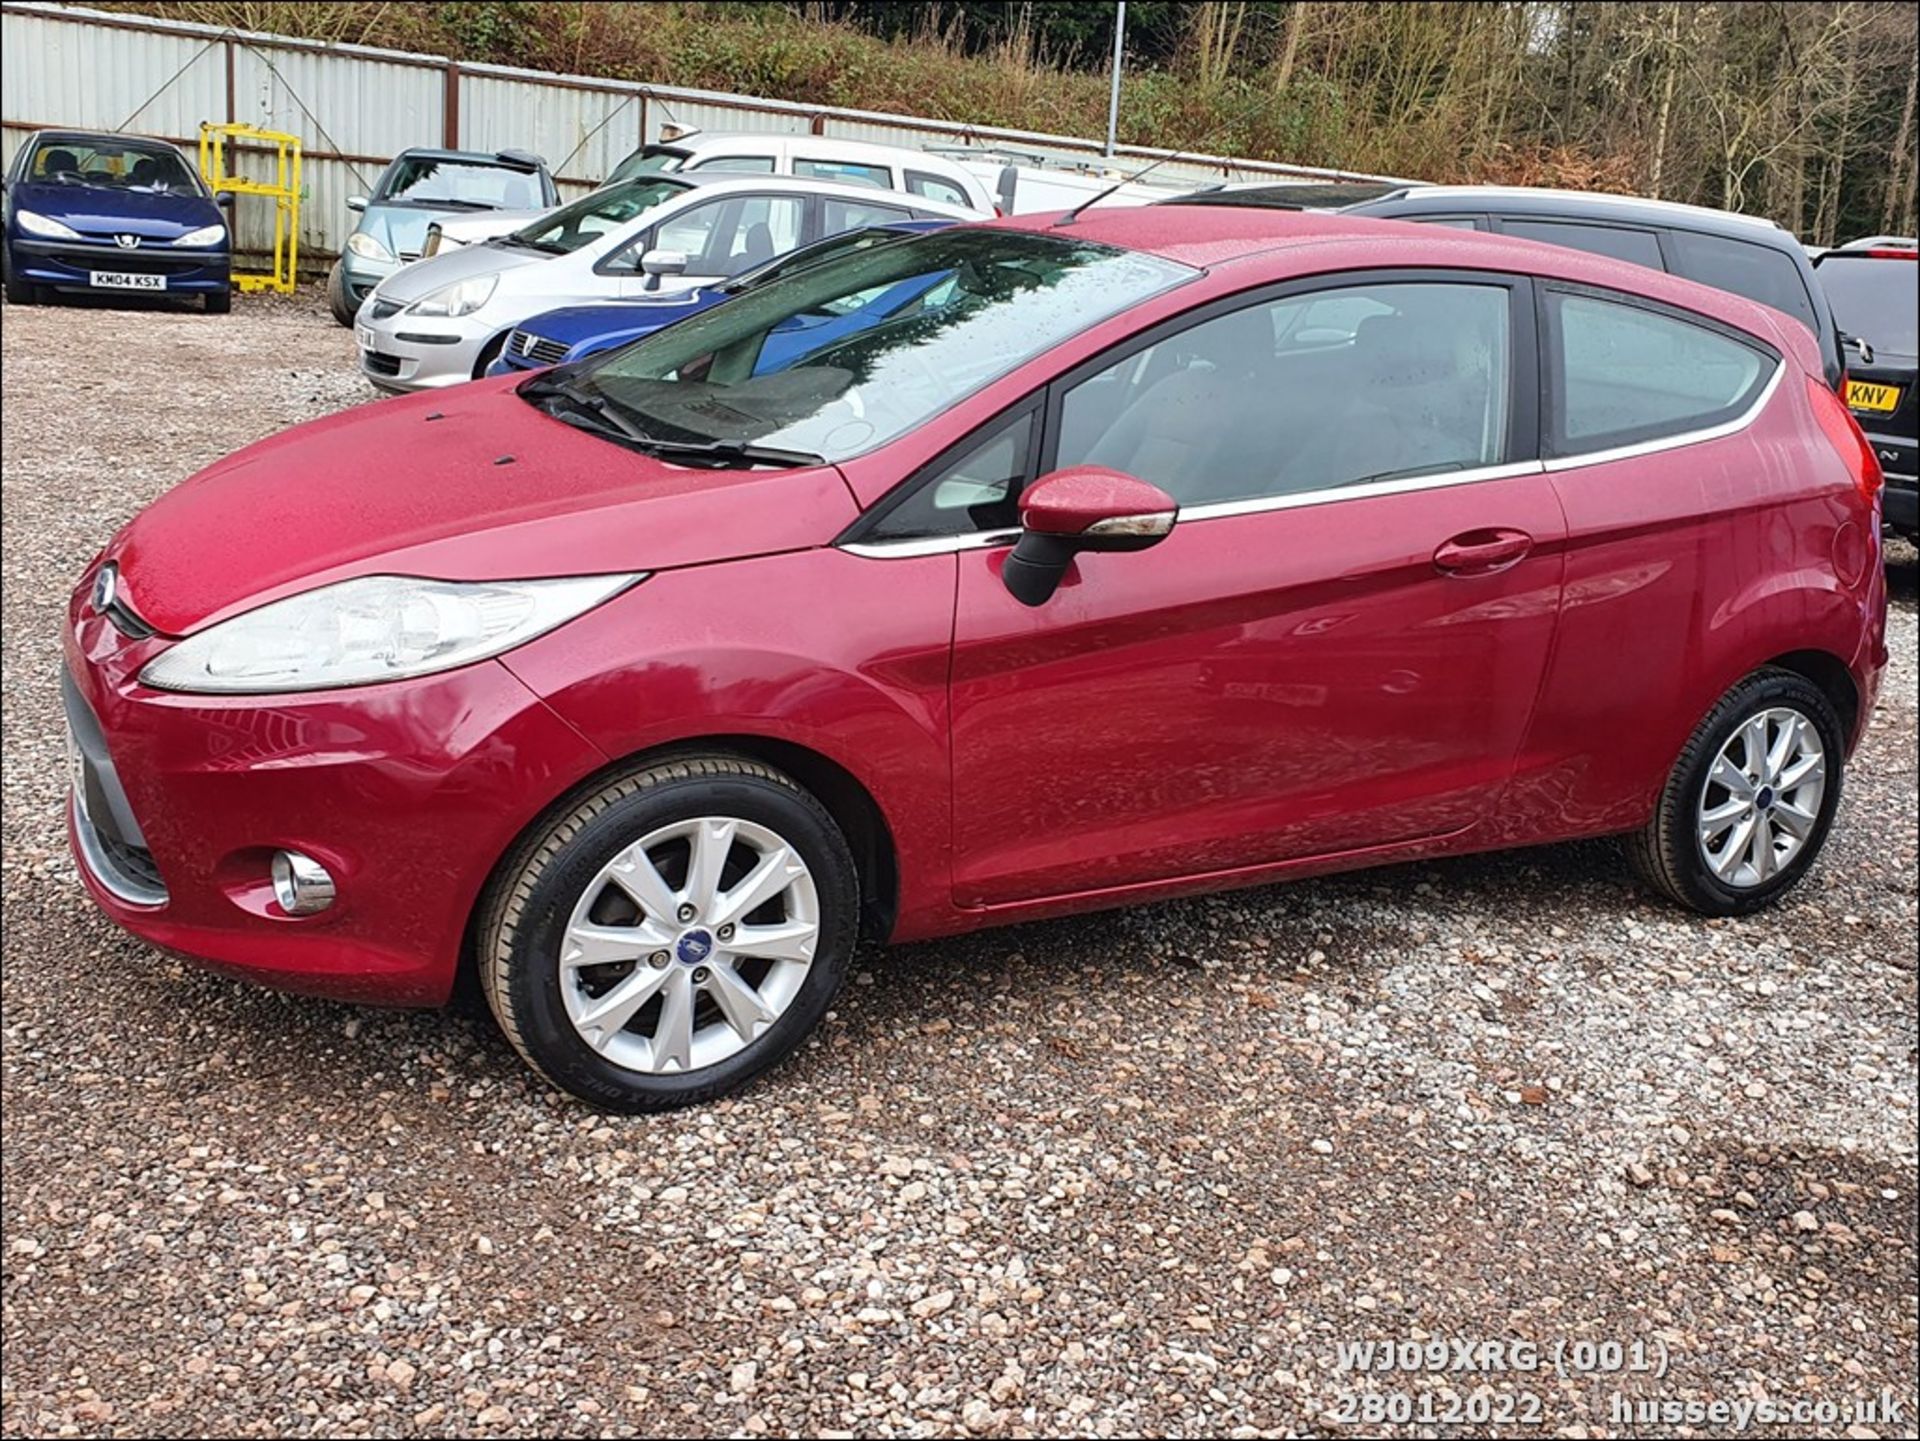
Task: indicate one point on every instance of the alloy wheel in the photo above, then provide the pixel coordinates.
(1761, 801)
(689, 944)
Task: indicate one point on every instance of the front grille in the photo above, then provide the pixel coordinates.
(130, 262)
(536, 348)
(111, 845)
(381, 309)
(379, 364)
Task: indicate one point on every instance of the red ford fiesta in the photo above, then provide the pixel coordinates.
(1039, 567)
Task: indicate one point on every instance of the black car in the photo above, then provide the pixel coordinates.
(1872, 287)
(1741, 253)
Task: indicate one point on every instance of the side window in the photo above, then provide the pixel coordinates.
(849, 171)
(736, 165)
(838, 215)
(1239, 408)
(1448, 222)
(1639, 247)
(1758, 272)
(727, 237)
(932, 187)
(1620, 374)
(979, 490)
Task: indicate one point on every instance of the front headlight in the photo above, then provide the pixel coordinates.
(205, 235)
(463, 297)
(366, 247)
(40, 225)
(377, 628)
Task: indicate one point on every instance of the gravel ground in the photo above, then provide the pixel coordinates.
(1134, 1173)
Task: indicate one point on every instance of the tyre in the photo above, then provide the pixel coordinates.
(672, 935)
(489, 353)
(219, 303)
(1751, 799)
(22, 292)
(338, 301)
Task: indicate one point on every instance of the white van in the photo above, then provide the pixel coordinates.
(808, 157)
(816, 157)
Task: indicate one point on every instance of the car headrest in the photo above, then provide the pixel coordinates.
(1398, 351)
(60, 162)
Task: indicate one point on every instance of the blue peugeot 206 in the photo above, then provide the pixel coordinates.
(96, 213)
(576, 331)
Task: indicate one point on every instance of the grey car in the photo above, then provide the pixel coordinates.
(419, 187)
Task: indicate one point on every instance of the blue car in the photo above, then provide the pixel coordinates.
(575, 331)
(111, 214)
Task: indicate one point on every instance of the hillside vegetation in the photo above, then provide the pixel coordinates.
(1800, 111)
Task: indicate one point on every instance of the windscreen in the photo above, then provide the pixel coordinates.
(855, 351)
(1874, 299)
(584, 221)
(460, 184)
(119, 165)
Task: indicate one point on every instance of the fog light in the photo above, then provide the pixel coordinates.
(300, 883)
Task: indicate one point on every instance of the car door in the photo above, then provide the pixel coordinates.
(1340, 644)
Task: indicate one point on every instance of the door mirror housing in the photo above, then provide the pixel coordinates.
(356, 203)
(1086, 508)
(664, 262)
(224, 199)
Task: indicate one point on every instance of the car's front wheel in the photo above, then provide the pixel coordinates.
(339, 302)
(672, 935)
(1750, 801)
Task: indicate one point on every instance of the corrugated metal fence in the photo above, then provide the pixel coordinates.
(355, 107)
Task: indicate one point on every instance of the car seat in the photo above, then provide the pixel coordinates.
(60, 162)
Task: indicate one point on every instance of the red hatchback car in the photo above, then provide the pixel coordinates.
(1155, 551)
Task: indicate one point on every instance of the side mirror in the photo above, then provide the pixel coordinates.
(224, 199)
(664, 262)
(1086, 508)
(356, 203)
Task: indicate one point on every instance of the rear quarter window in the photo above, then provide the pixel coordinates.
(1622, 374)
(1637, 247)
(1756, 271)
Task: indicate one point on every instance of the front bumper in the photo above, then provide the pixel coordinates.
(360, 275)
(411, 352)
(408, 792)
(71, 264)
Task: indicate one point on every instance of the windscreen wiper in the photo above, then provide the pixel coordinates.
(725, 451)
(607, 419)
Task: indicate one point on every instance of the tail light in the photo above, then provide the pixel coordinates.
(1846, 437)
(1893, 254)
(999, 212)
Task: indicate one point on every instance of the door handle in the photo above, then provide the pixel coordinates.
(1482, 552)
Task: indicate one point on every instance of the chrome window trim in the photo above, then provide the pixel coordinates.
(1739, 423)
(1259, 505)
(929, 545)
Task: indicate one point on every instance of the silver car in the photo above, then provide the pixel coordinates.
(443, 319)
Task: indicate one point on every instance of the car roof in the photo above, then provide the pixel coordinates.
(827, 146)
(1584, 204)
(799, 185)
(1261, 245)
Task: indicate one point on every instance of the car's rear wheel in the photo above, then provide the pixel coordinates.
(672, 935)
(1749, 803)
(338, 301)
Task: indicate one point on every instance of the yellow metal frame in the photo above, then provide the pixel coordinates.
(285, 193)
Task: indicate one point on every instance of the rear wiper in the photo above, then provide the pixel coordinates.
(729, 450)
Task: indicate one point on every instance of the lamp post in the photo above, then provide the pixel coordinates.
(1113, 98)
